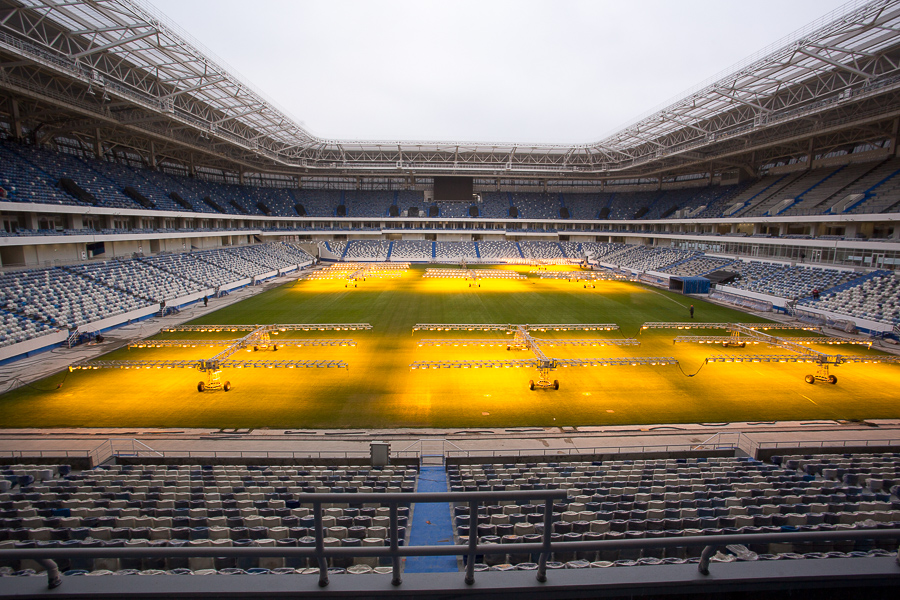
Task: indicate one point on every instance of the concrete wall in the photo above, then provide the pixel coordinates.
(33, 345)
(766, 454)
(405, 463)
(78, 463)
(625, 455)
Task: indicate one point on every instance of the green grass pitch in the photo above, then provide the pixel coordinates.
(380, 391)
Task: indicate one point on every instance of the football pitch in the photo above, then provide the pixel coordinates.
(380, 391)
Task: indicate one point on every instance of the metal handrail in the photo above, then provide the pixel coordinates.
(47, 556)
(107, 449)
(829, 443)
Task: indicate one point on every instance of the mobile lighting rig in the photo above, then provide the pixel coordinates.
(355, 272)
(740, 334)
(523, 340)
(473, 276)
(259, 338)
(588, 279)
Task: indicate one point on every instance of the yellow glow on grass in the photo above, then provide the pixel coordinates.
(380, 391)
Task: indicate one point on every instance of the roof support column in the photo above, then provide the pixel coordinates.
(152, 155)
(895, 128)
(710, 177)
(98, 144)
(809, 155)
(16, 120)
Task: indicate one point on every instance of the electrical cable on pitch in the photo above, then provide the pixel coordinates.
(692, 374)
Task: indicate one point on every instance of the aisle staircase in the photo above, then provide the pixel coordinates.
(432, 523)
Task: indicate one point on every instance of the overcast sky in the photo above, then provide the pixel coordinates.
(509, 71)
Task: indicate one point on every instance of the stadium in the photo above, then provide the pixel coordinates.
(658, 365)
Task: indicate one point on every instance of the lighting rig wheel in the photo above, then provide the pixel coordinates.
(255, 348)
(508, 348)
(556, 384)
(201, 386)
(810, 379)
(531, 384)
(274, 347)
(227, 386)
(832, 379)
(743, 344)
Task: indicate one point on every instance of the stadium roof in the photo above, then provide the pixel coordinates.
(121, 69)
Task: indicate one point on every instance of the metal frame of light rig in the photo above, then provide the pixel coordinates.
(259, 338)
(740, 334)
(523, 340)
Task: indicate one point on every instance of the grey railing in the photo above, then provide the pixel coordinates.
(46, 556)
(575, 450)
(829, 443)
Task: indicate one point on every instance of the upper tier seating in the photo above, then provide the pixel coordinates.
(880, 190)
(53, 166)
(318, 203)
(33, 174)
(24, 182)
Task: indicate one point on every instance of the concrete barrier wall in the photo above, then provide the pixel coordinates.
(625, 455)
(866, 324)
(196, 296)
(78, 463)
(235, 284)
(116, 320)
(33, 345)
(406, 463)
(775, 300)
(766, 454)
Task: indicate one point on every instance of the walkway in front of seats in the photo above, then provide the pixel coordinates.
(431, 525)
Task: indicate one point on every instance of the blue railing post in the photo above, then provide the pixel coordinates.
(320, 544)
(395, 558)
(705, 555)
(473, 541)
(548, 531)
